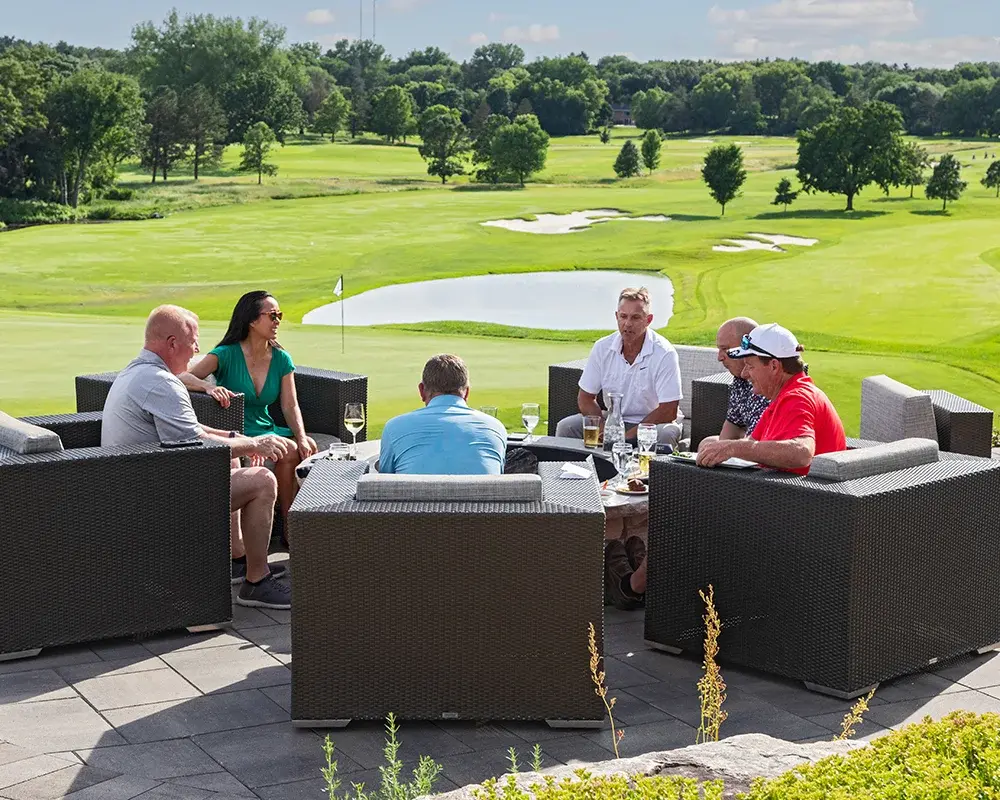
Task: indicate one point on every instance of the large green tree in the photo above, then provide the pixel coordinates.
(946, 181)
(444, 141)
(991, 180)
(913, 161)
(482, 148)
(854, 148)
(784, 195)
(489, 60)
(257, 144)
(723, 172)
(651, 146)
(204, 127)
(332, 114)
(163, 141)
(520, 148)
(92, 110)
(392, 113)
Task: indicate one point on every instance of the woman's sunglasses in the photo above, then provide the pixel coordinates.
(274, 315)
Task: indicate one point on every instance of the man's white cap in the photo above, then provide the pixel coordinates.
(767, 340)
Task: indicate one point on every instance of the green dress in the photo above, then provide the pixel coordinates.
(234, 374)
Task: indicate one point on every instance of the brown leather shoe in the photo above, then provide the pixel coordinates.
(617, 570)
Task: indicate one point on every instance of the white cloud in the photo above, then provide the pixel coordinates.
(819, 18)
(478, 38)
(931, 52)
(320, 16)
(802, 27)
(533, 34)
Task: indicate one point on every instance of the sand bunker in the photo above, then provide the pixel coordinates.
(573, 222)
(774, 243)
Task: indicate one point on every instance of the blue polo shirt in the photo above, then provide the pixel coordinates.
(446, 437)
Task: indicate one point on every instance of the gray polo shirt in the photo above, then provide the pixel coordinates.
(148, 404)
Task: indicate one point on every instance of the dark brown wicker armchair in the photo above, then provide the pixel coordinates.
(148, 526)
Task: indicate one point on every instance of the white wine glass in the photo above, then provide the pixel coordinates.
(529, 417)
(354, 421)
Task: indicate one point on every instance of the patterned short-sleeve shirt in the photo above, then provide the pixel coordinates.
(745, 407)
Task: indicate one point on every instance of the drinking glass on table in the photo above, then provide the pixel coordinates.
(354, 421)
(530, 416)
(338, 451)
(647, 437)
(621, 457)
(592, 431)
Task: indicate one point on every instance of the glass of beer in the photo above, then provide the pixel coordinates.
(647, 438)
(592, 431)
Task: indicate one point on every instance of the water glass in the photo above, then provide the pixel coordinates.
(621, 456)
(530, 415)
(592, 431)
(339, 452)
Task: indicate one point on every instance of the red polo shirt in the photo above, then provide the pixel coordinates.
(802, 409)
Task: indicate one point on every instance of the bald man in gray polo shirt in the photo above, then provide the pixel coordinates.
(149, 404)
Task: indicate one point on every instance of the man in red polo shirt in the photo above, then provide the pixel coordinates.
(800, 422)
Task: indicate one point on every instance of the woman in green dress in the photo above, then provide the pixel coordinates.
(250, 361)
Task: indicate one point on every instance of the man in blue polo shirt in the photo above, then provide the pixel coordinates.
(446, 437)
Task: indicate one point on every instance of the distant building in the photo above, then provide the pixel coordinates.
(621, 114)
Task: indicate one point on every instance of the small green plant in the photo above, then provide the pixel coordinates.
(584, 786)
(424, 775)
(854, 717)
(515, 767)
(601, 690)
(995, 442)
(711, 686)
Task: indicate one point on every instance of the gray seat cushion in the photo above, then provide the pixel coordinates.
(849, 464)
(465, 488)
(23, 437)
(891, 410)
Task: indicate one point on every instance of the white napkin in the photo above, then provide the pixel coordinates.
(574, 471)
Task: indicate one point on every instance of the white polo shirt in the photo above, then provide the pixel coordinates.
(653, 378)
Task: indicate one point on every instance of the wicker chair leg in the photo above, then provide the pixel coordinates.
(214, 626)
(812, 687)
(666, 648)
(20, 654)
(320, 723)
(988, 649)
(562, 724)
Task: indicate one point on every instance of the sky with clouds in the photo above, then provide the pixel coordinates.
(920, 32)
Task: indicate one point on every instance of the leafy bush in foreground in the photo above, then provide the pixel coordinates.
(956, 758)
(119, 193)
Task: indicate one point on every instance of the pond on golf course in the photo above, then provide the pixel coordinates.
(570, 300)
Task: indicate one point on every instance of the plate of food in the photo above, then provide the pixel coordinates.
(634, 486)
(684, 458)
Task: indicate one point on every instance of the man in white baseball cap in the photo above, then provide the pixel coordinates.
(800, 421)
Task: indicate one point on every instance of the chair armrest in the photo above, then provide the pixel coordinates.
(322, 395)
(74, 430)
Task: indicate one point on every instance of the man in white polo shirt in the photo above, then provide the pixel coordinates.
(637, 363)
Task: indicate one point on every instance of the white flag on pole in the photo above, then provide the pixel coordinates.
(339, 288)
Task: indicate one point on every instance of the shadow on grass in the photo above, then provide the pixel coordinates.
(692, 218)
(935, 213)
(487, 187)
(820, 214)
(895, 199)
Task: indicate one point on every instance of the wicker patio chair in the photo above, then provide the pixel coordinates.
(564, 380)
(446, 605)
(891, 410)
(709, 405)
(145, 528)
(887, 566)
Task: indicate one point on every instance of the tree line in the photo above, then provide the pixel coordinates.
(187, 87)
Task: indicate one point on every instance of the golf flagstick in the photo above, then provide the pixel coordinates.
(338, 290)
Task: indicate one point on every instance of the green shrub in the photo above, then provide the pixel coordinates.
(996, 438)
(119, 193)
(31, 212)
(107, 212)
(956, 758)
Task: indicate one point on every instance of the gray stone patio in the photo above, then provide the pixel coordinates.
(205, 717)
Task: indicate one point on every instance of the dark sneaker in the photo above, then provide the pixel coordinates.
(636, 550)
(240, 571)
(269, 593)
(617, 570)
